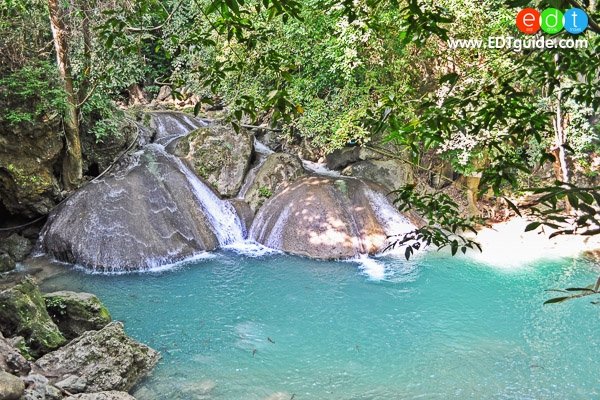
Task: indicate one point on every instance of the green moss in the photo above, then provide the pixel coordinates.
(23, 313)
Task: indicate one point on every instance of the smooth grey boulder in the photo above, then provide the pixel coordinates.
(110, 395)
(106, 359)
(219, 155)
(328, 218)
(278, 170)
(23, 313)
(11, 387)
(142, 215)
(76, 313)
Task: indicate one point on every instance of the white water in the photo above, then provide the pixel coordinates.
(320, 169)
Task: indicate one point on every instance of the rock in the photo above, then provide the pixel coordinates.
(11, 387)
(218, 155)
(7, 263)
(341, 158)
(11, 360)
(76, 313)
(111, 395)
(106, 359)
(392, 174)
(244, 212)
(328, 218)
(278, 170)
(169, 124)
(28, 153)
(164, 93)
(16, 246)
(136, 217)
(39, 388)
(23, 312)
(72, 384)
(98, 155)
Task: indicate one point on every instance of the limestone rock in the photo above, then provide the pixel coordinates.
(23, 312)
(39, 388)
(16, 246)
(7, 263)
(328, 218)
(106, 359)
(11, 360)
(140, 215)
(110, 395)
(392, 174)
(28, 153)
(76, 313)
(11, 387)
(278, 170)
(218, 155)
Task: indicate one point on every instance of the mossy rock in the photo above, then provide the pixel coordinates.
(218, 155)
(76, 313)
(23, 313)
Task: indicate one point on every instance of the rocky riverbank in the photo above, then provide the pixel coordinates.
(64, 345)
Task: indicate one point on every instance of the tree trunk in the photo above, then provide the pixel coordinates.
(72, 165)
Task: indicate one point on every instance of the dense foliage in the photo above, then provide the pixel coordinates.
(381, 73)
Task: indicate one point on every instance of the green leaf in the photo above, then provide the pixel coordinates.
(197, 108)
(532, 226)
(557, 300)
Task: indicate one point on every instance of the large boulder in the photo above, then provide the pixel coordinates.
(391, 174)
(105, 360)
(278, 170)
(23, 313)
(150, 212)
(76, 313)
(29, 151)
(219, 155)
(328, 218)
(11, 387)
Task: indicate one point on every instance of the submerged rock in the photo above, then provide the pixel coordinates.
(105, 360)
(23, 313)
(11, 387)
(110, 395)
(218, 155)
(328, 218)
(76, 313)
(278, 170)
(152, 212)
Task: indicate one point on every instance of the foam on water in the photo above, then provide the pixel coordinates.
(250, 248)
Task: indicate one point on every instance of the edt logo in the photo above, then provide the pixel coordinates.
(551, 21)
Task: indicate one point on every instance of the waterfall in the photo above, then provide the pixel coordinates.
(226, 224)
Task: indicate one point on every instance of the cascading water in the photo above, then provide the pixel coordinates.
(226, 224)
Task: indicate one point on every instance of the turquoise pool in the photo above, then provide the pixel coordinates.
(278, 327)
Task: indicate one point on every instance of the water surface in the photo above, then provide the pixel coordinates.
(280, 327)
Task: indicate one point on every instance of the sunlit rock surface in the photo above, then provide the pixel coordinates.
(328, 218)
(151, 212)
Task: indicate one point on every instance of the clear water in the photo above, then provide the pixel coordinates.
(280, 327)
